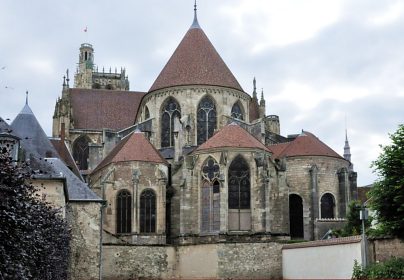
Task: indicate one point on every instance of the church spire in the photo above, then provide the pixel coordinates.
(255, 89)
(195, 23)
(347, 151)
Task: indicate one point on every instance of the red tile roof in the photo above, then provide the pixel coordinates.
(234, 136)
(134, 147)
(306, 144)
(195, 62)
(98, 108)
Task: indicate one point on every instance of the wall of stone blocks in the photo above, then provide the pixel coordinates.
(385, 248)
(208, 261)
(84, 219)
(299, 180)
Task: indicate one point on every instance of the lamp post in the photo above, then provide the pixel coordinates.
(363, 215)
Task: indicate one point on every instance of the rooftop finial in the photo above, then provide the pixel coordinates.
(26, 97)
(67, 77)
(195, 23)
(255, 88)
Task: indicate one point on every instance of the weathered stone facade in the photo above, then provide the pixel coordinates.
(205, 261)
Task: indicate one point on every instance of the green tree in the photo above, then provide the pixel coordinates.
(387, 194)
(34, 238)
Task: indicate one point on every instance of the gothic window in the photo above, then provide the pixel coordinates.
(210, 198)
(124, 212)
(206, 119)
(327, 206)
(296, 216)
(146, 113)
(148, 211)
(237, 112)
(239, 195)
(80, 152)
(171, 110)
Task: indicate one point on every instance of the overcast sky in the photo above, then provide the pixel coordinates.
(319, 62)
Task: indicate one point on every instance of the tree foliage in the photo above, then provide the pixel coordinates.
(34, 238)
(393, 268)
(387, 194)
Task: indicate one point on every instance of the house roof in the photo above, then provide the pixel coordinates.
(6, 130)
(98, 108)
(306, 144)
(65, 155)
(195, 62)
(232, 136)
(43, 157)
(134, 147)
(33, 139)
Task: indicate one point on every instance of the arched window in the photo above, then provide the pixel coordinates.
(206, 119)
(124, 212)
(239, 195)
(148, 211)
(210, 197)
(80, 152)
(327, 206)
(171, 110)
(296, 216)
(237, 112)
(146, 113)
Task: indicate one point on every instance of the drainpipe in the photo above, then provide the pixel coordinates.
(102, 210)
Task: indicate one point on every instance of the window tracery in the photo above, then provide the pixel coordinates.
(148, 211)
(237, 112)
(170, 111)
(80, 152)
(124, 212)
(206, 119)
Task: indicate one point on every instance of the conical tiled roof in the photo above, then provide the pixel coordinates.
(233, 136)
(33, 138)
(306, 144)
(134, 147)
(5, 129)
(195, 62)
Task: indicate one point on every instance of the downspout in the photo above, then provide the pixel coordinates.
(102, 209)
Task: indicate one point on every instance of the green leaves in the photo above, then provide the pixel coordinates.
(387, 194)
(34, 239)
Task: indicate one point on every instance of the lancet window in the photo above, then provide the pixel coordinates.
(206, 119)
(80, 152)
(237, 112)
(124, 212)
(210, 197)
(171, 110)
(148, 211)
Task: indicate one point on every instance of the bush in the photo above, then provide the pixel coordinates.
(391, 269)
(34, 238)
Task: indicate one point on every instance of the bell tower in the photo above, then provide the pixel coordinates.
(84, 73)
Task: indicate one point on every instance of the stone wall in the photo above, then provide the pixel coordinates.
(385, 248)
(213, 261)
(84, 219)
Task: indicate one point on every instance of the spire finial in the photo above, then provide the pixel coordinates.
(262, 93)
(26, 97)
(255, 88)
(67, 77)
(64, 81)
(195, 23)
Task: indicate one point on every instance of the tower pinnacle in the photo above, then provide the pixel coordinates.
(255, 89)
(347, 151)
(195, 23)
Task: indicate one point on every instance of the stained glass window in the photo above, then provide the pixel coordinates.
(148, 212)
(327, 206)
(206, 119)
(237, 112)
(80, 152)
(210, 197)
(146, 113)
(171, 110)
(239, 195)
(124, 212)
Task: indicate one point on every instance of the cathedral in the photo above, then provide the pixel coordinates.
(192, 169)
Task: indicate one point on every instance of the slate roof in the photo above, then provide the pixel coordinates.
(195, 62)
(33, 138)
(232, 136)
(306, 144)
(43, 157)
(65, 155)
(134, 147)
(98, 108)
(5, 129)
